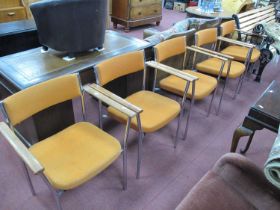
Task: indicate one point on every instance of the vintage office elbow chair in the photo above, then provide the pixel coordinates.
(68, 158)
(241, 51)
(201, 88)
(154, 111)
(232, 69)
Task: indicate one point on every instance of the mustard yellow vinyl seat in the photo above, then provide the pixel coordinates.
(76, 154)
(213, 65)
(240, 53)
(204, 86)
(157, 110)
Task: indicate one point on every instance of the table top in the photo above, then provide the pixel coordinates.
(17, 27)
(268, 103)
(30, 67)
(223, 14)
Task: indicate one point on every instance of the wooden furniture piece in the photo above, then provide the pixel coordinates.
(21, 70)
(27, 4)
(81, 151)
(249, 28)
(18, 36)
(264, 113)
(131, 13)
(11, 10)
(247, 21)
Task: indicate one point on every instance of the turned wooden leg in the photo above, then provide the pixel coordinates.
(115, 25)
(157, 23)
(126, 29)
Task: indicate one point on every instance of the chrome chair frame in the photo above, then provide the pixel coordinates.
(230, 59)
(57, 193)
(215, 48)
(246, 62)
(195, 50)
(139, 110)
(221, 57)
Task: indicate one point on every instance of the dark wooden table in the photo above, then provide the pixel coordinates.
(30, 67)
(24, 69)
(18, 36)
(265, 113)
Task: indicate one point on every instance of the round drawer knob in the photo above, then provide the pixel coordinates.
(139, 13)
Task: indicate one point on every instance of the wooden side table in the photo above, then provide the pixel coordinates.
(265, 113)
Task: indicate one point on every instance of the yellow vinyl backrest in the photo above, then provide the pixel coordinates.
(119, 66)
(169, 48)
(32, 100)
(206, 36)
(227, 27)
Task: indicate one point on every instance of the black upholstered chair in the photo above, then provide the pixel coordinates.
(70, 25)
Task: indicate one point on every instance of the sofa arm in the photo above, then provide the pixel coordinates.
(232, 163)
(150, 32)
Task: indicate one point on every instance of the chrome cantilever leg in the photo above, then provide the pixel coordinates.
(100, 114)
(125, 153)
(224, 87)
(247, 66)
(189, 113)
(140, 142)
(212, 99)
(221, 98)
(237, 87)
(178, 126)
(56, 194)
(29, 179)
(181, 113)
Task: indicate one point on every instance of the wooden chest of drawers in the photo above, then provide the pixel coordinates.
(131, 13)
(11, 10)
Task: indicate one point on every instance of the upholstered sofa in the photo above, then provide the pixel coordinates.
(186, 27)
(233, 183)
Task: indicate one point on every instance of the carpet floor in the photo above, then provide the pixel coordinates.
(167, 174)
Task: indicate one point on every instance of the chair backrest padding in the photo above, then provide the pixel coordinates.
(170, 48)
(206, 36)
(30, 101)
(120, 66)
(227, 28)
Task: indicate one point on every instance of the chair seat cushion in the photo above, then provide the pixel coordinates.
(204, 86)
(240, 53)
(76, 154)
(158, 110)
(213, 66)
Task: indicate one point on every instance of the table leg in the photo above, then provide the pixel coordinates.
(238, 133)
(248, 128)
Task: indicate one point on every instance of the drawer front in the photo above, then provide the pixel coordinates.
(143, 12)
(12, 15)
(136, 3)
